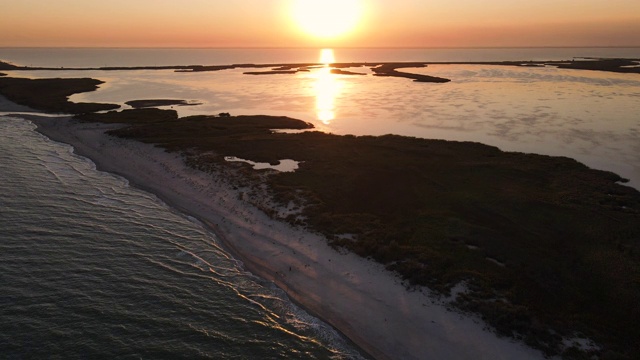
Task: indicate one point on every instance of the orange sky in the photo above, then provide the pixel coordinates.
(269, 23)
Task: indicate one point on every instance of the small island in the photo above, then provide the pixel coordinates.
(271, 72)
(140, 104)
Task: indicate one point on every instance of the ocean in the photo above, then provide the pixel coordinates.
(92, 267)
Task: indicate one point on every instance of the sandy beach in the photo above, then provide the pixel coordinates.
(358, 297)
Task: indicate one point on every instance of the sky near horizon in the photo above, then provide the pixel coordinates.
(308, 23)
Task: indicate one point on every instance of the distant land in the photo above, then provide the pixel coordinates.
(139, 104)
(379, 68)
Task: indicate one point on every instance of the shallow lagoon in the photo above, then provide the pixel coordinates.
(587, 115)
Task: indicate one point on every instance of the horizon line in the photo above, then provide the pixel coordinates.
(321, 47)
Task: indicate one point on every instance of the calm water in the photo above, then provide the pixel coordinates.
(90, 267)
(587, 115)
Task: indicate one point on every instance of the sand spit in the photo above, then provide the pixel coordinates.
(359, 297)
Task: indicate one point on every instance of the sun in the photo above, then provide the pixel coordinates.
(327, 19)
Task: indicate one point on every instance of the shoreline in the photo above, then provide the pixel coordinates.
(368, 304)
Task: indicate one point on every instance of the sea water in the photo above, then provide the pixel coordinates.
(93, 268)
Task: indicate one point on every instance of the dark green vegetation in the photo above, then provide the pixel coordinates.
(547, 247)
(139, 104)
(51, 95)
(541, 242)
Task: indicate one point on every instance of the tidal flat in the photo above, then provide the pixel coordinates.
(545, 248)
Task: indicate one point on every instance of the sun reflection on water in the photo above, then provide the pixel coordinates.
(327, 88)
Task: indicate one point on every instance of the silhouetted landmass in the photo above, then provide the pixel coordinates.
(275, 67)
(283, 70)
(379, 69)
(7, 66)
(299, 67)
(630, 66)
(3, 74)
(384, 68)
(51, 95)
(131, 116)
(612, 65)
(546, 246)
(390, 70)
(271, 72)
(200, 68)
(138, 104)
(345, 72)
(294, 70)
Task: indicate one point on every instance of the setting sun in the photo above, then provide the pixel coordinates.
(328, 18)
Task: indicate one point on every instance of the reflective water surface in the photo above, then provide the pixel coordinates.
(587, 115)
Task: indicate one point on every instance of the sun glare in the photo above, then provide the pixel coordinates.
(327, 19)
(327, 88)
(327, 57)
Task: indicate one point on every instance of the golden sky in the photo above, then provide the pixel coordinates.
(276, 23)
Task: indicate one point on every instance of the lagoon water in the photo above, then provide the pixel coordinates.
(587, 115)
(92, 267)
